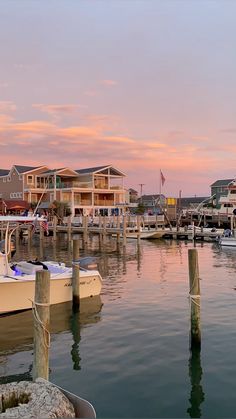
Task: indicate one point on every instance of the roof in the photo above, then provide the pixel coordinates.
(92, 169)
(4, 172)
(192, 200)
(14, 204)
(45, 205)
(222, 182)
(53, 171)
(60, 172)
(113, 171)
(24, 169)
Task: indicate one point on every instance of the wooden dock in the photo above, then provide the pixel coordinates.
(122, 228)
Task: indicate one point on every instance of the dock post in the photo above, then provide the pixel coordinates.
(54, 227)
(69, 229)
(41, 233)
(124, 229)
(194, 293)
(85, 228)
(138, 228)
(118, 228)
(104, 228)
(75, 276)
(30, 233)
(41, 313)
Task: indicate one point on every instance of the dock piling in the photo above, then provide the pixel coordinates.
(194, 293)
(41, 312)
(75, 276)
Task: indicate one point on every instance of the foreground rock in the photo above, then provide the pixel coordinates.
(37, 399)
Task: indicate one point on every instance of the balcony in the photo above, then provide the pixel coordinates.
(70, 185)
(104, 203)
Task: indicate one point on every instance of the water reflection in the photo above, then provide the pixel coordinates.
(197, 394)
(16, 330)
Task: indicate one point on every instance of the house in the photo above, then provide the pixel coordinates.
(86, 191)
(153, 204)
(220, 188)
(133, 195)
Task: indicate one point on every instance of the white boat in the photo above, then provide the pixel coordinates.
(17, 280)
(147, 234)
(227, 241)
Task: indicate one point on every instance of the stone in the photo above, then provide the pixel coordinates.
(39, 399)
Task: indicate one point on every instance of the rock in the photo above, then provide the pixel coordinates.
(39, 399)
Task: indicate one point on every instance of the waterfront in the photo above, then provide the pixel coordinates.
(128, 353)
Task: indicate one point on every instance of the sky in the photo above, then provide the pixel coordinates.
(142, 85)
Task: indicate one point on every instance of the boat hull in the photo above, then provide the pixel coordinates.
(18, 294)
(228, 241)
(148, 235)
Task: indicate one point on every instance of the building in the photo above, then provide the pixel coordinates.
(133, 195)
(220, 188)
(86, 191)
(153, 204)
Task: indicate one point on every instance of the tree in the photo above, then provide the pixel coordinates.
(61, 209)
(140, 209)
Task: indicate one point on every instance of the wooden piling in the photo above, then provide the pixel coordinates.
(41, 312)
(124, 230)
(85, 228)
(41, 233)
(194, 286)
(69, 229)
(75, 250)
(138, 228)
(118, 227)
(75, 276)
(55, 228)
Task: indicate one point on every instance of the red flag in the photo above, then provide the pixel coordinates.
(45, 227)
(162, 179)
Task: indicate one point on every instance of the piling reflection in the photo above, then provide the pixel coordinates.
(197, 394)
(16, 330)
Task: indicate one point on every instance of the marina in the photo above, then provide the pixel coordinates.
(135, 341)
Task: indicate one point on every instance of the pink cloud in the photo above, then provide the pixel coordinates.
(108, 83)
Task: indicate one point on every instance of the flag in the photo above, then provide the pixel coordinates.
(45, 227)
(33, 226)
(162, 178)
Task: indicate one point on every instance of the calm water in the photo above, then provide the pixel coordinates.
(128, 351)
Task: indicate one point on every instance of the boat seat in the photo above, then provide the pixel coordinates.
(27, 267)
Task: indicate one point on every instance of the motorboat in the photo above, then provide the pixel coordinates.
(227, 241)
(17, 280)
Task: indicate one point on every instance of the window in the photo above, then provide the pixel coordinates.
(9, 178)
(30, 179)
(20, 177)
(4, 180)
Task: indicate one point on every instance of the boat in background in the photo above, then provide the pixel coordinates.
(17, 280)
(227, 241)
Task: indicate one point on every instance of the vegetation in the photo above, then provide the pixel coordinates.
(140, 210)
(61, 209)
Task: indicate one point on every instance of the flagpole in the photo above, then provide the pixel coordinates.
(160, 184)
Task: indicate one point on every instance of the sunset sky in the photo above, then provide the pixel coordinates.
(142, 85)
